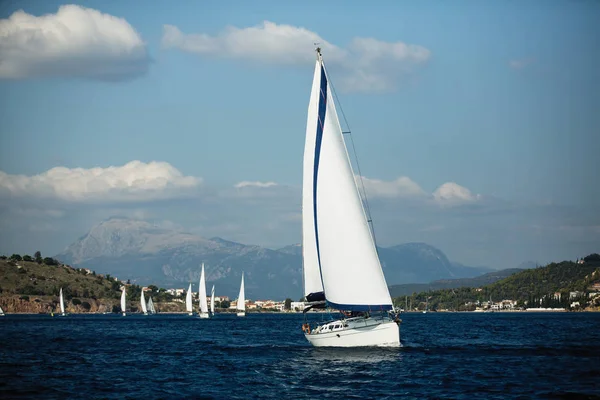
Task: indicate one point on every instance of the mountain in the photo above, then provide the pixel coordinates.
(478, 281)
(147, 254)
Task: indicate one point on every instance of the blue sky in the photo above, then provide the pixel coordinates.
(498, 98)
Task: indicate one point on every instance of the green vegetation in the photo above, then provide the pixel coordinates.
(548, 286)
(478, 281)
(22, 277)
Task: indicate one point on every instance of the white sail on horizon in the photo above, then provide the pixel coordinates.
(188, 300)
(150, 306)
(212, 300)
(241, 300)
(202, 293)
(62, 302)
(123, 301)
(143, 303)
(338, 248)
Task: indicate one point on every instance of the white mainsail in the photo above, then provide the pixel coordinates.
(241, 300)
(1, 312)
(337, 240)
(143, 303)
(188, 300)
(202, 295)
(123, 301)
(212, 300)
(150, 306)
(62, 302)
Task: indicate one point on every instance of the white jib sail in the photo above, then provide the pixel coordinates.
(188, 299)
(310, 262)
(123, 300)
(151, 306)
(212, 300)
(62, 302)
(350, 268)
(241, 300)
(143, 303)
(202, 293)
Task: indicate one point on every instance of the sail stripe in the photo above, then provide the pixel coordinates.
(360, 307)
(320, 122)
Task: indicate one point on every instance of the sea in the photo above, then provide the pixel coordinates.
(265, 356)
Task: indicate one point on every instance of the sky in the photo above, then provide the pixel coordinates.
(475, 123)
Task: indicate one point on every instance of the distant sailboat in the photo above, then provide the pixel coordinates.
(1, 312)
(188, 301)
(123, 301)
(150, 306)
(62, 303)
(241, 300)
(202, 296)
(341, 266)
(212, 300)
(143, 303)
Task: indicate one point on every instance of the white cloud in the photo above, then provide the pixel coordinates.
(401, 187)
(134, 181)
(74, 42)
(367, 64)
(451, 193)
(254, 184)
(269, 43)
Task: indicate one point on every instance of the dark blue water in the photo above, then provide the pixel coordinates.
(454, 355)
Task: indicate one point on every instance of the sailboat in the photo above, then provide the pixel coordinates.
(188, 301)
(241, 300)
(202, 296)
(150, 306)
(62, 303)
(143, 303)
(212, 300)
(1, 312)
(340, 262)
(123, 301)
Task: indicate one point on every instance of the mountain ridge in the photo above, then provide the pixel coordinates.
(146, 253)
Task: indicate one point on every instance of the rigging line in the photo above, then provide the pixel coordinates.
(364, 192)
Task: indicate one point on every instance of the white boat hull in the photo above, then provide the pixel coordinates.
(203, 315)
(241, 314)
(358, 333)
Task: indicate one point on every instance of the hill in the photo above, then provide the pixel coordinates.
(144, 253)
(32, 287)
(485, 279)
(554, 285)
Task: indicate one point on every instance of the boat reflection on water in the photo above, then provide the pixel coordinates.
(342, 355)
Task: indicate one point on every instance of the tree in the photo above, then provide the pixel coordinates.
(224, 304)
(592, 257)
(38, 257)
(86, 305)
(50, 261)
(288, 304)
(27, 257)
(16, 257)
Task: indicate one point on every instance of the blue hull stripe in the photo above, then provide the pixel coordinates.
(360, 307)
(320, 123)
